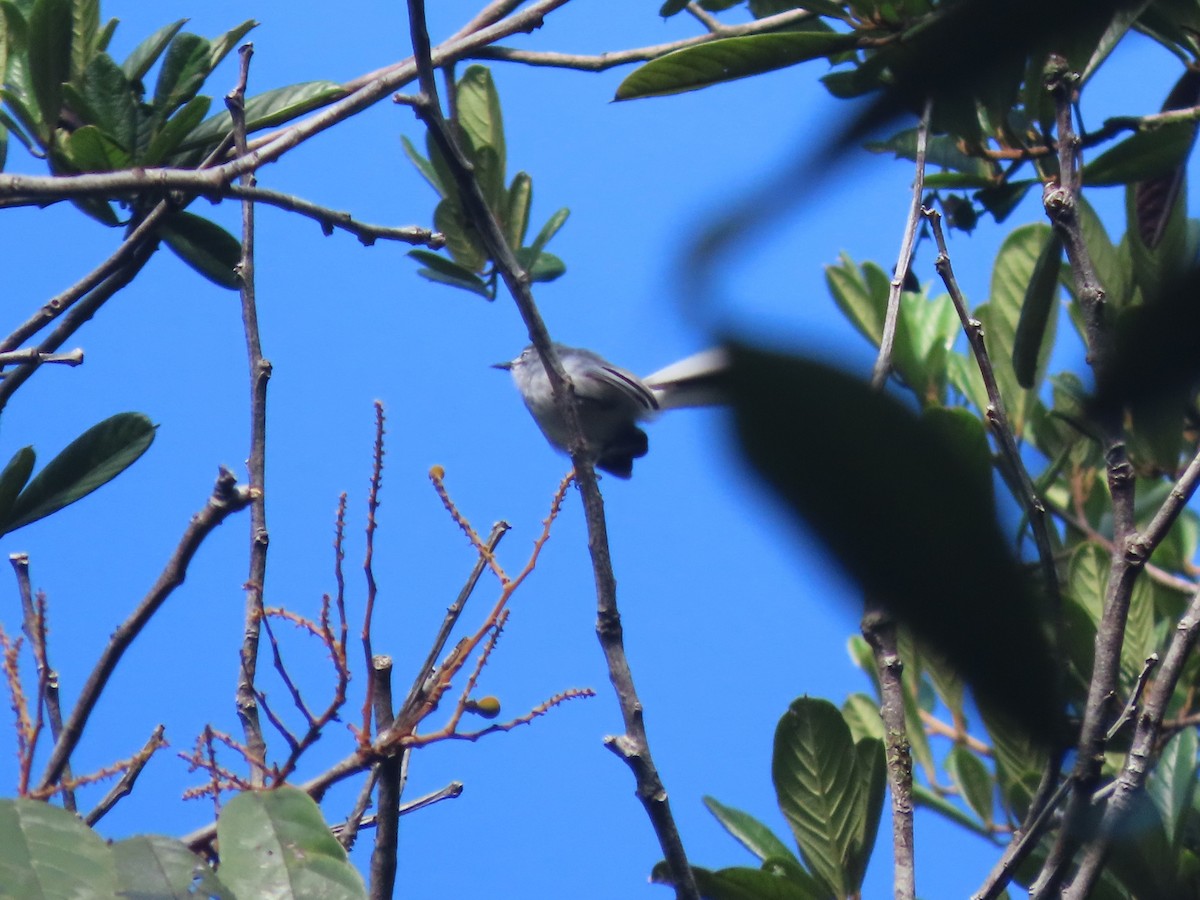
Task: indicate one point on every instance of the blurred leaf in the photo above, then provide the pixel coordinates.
(479, 114)
(49, 36)
(425, 167)
(1002, 200)
(727, 59)
(1172, 785)
(743, 883)
(274, 838)
(818, 785)
(545, 267)
(490, 177)
(1113, 265)
(941, 150)
(445, 271)
(48, 852)
(1146, 154)
(91, 150)
(1033, 327)
(671, 7)
(864, 307)
(146, 54)
(85, 28)
(871, 765)
(748, 831)
(205, 246)
(516, 213)
(153, 866)
(760, 9)
(183, 71)
(110, 98)
(222, 45)
(861, 713)
(1019, 760)
(173, 132)
(923, 796)
(931, 489)
(93, 459)
(462, 240)
(973, 780)
(549, 230)
(1157, 196)
(273, 107)
(13, 478)
(1138, 642)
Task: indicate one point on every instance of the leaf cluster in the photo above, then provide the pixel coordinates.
(479, 126)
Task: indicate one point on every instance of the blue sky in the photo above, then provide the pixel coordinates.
(730, 611)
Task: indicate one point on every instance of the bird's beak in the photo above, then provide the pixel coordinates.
(506, 366)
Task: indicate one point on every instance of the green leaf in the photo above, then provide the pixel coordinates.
(206, 247)
(933, 488)
(479, 115)
(743, 883)
(275, 843)
(91, 150)
(1033, 327)
(491, 179)
(671, 7)
(85, 27)
(516, 212)
(110, 98)
(863, 306)
(176, 129)
(13, 478)
(973, 780)
(151, 865)
(727, 59)
(871, 766)
(748, 831)
(226, 42)
(1172, 785)
(547, 266)
(1113, 265)
(183, 71)
(267, 109)
(549, 230)
(923, 796)
(462, 240)
(816, 780)
(1144, 155)
(425, 167)
(93, 459)
(50, 28)
(445, 271)
(861, 713)
(48, 852)
(146, 54)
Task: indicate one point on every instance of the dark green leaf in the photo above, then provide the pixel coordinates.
(932, 488)
(516, 213)
(462, 240)
(93, 459)
(1172, 785)
(91, 150)
(1001, 201)
(111, 100)
(146, 54)
(817, 784)
(742, 883)
(547, 266)
(748, 831)
(549, 230)
(864, 306)
(1146, 154)
(151, 865)
(941, 150)
(50, 26)
(175, 130)
(871, 767)
(85, 29)
(183, 71)
(206, 247)
(267, 109)
(1038, 306)
(760, 9)
(277, 837)
(727, 59)
(425, 167)
(13, 478)
(490, 177)
(861, 713)
(923, 796)
(445, 271)
(48, 852)
(671, 7)
(973, 780)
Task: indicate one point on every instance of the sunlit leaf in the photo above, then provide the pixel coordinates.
(183, 71)
(146, 54)
(273, 107)
(205, 246)
(748, 831)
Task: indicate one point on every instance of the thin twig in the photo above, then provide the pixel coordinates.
(369, 568)
(227, 498)
(387, 834)
(256, 461)
(449, 792)
(883, 362)
(124, 787)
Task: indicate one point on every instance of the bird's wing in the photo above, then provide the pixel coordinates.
(598, 382)
(695, 381)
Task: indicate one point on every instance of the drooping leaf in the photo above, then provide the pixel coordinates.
(748, 831)
(50, 30)
(446, 271)
(727, 59)
(424, 166)
(13, 478)
(276, 841)
(1036, 310)
(743, 883)
(146, 54)
(924, 797)
(46, 851)
(93, 459)
(205, 246)
(973, 780)
(931, 488)
(151, 865)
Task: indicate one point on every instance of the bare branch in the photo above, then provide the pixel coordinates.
(128, 778)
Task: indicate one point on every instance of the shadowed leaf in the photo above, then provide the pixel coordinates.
(206, 247)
